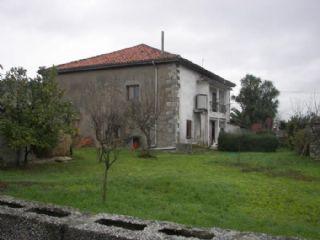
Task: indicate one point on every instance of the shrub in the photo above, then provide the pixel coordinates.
(248, 142)
(301, 141)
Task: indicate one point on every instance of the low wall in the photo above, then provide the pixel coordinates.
(31, 220)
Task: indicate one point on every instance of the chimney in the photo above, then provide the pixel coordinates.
(162, 42)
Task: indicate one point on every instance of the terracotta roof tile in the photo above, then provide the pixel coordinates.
(139, 53)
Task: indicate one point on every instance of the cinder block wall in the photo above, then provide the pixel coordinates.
(25, 220)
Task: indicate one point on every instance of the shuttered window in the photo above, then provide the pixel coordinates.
(189, 129)
(133, 92)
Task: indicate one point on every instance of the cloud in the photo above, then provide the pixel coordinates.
(276, 39)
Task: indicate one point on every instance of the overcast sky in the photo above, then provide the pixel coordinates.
(277, 40)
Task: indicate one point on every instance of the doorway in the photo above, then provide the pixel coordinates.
(135, 142)
(213, 132)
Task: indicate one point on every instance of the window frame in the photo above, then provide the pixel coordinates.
(135, 92)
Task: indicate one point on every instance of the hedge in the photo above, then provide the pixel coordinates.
(248, 142)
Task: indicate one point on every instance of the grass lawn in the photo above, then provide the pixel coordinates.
(276, 193)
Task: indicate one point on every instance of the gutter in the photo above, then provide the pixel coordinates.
(155, 99)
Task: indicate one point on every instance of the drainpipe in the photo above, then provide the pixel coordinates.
(155, 99)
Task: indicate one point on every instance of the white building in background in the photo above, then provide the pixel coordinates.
(204, 106)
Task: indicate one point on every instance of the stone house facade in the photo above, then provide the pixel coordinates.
(197, 101)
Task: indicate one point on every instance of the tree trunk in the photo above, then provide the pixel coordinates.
(148, 145)
(18, 153)
(26, 154)
(105, 178)
(104, 190)
(100, 152)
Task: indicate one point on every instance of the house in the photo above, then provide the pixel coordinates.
(197, 101)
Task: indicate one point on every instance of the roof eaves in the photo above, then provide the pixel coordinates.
(116, 65)
(205, 72)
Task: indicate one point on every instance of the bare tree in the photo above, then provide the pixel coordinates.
(144, 113)
(106, 108)
(304, 125)
(313, 110)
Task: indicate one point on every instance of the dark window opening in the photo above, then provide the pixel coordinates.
(133, 92)
(117, 132)
(189, 129)
(214, 105)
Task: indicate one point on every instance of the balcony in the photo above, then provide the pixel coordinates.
(218, 107)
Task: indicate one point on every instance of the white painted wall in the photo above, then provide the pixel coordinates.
(191, 84)
(187, 92)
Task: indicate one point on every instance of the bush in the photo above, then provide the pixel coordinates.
(301, 141)
(248, 142)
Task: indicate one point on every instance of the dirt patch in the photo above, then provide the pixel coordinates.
(297, 175)
(272, 172)
(3, 186)
(248, 168)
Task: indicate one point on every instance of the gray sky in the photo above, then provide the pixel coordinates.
(278, 40)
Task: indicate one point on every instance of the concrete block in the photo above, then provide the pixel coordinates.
(167, 230)
(29, 220)
(106, 226)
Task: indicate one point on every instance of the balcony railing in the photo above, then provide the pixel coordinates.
(218, 107)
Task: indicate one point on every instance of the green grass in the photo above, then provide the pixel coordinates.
(276, 193)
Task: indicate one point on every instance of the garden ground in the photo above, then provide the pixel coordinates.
(276, 193)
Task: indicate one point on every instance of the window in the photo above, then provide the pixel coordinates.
(214, 103)
(117, 132)
(222, 96)
(189, 128)
(133, 92)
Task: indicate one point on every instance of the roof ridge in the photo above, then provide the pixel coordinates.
(143, 44)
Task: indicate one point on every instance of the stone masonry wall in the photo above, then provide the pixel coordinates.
(168, 120)
(35, 221)
(75, 87)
